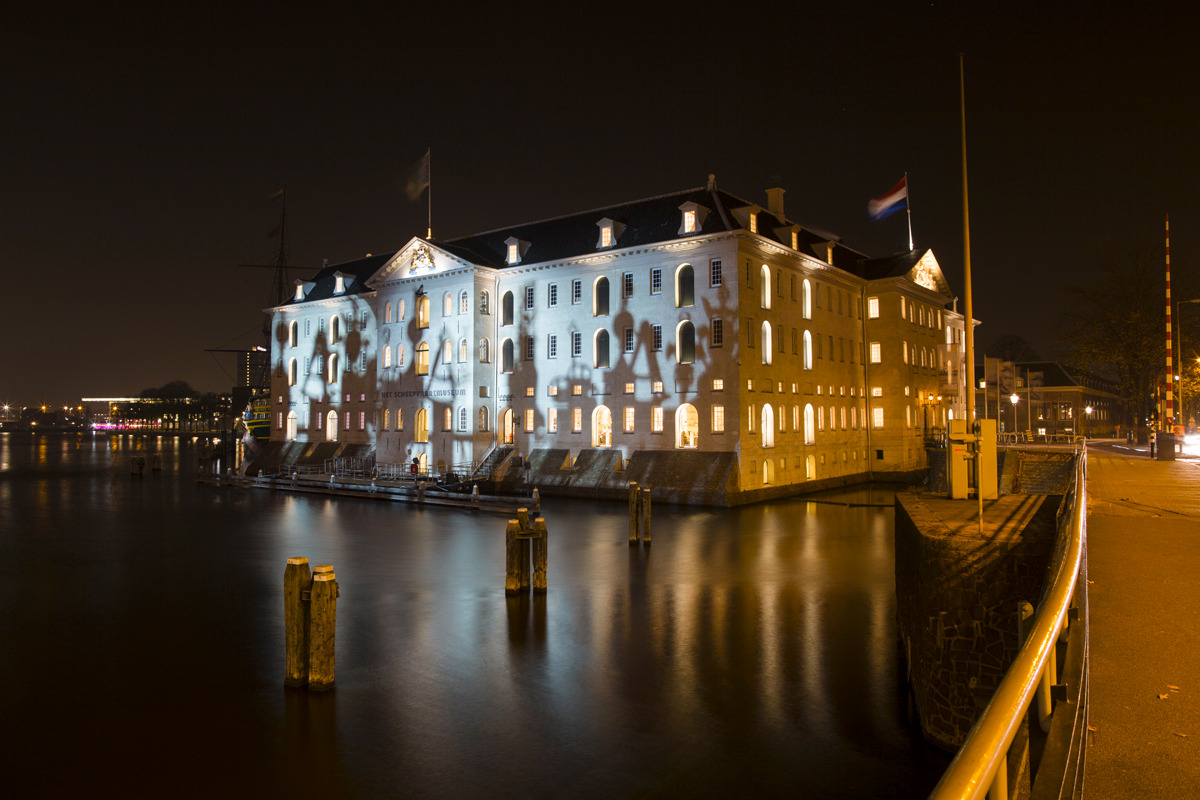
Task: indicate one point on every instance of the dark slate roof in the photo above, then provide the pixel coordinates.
(894, 266)
(646, 222)
(358, 271)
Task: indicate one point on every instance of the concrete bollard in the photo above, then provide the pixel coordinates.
(296, 580)
(321, 628)
(537, 500)
(646, 517)
(541, 545)
(512, 558)
(633, 512)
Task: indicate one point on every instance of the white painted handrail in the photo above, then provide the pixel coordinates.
(981, 763)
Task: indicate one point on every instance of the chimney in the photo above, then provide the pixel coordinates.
(775, 203)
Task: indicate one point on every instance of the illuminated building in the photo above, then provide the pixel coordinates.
(692, 322)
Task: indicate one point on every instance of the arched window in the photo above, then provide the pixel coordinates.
(810, 433)
(464, 350)
(765, 287)
(464, 302)
(291, 426)
(685, 343)
(462, 418)
(854, 417)
(808, 361)
(447, 304)
(485, 302)
(796, 418)
(421, 426)
(483, 419)
(600, 297)
(685, 286)
(335, 329)
(768, 425)
(766, 342)
(810, 468)
(687, 426)
(399, 355)
(806, 299)
(331, 426)
(768, 472)
(294, 333)
(387, 356)
(447, 351)
(400, 311)
(447, 418)
(333, 368)
(600, 349)
(601, 427)
(423, 311)
(506, 356)
(292, 369)
(399, 419)
(484, 351)
(387, 311)
(506, 309)
(423, 358)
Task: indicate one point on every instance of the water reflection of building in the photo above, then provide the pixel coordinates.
(694, 321)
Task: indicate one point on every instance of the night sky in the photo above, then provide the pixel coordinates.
(140, 143)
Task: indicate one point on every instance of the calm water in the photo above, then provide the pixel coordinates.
(749, 652)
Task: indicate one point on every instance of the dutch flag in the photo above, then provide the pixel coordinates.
(887, 204)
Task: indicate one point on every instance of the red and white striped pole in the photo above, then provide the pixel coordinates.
(1168, 423)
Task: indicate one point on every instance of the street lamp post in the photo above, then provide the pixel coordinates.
(1014, 399)
(1087, 425)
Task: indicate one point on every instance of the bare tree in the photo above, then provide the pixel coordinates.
(1011, 347)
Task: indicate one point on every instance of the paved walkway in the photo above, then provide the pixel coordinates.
(1144, 570)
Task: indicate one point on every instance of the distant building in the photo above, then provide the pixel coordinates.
(1051, 399)
(696, 323)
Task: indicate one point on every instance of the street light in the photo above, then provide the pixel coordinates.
(1088, 422)
(1014, 399)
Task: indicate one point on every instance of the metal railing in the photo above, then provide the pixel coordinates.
(1033, 680)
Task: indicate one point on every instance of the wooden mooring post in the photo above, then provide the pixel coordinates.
(525, 540)
(310, 624)
(639, 514)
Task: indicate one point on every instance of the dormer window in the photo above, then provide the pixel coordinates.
(339, 282)
(610, 231)
(299, 292)
(754, 222)
(692, 218)
(795, 240)
(514, 250)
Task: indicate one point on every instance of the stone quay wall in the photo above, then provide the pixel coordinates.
(957, 605)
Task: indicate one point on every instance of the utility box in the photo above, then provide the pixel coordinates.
(971, 459)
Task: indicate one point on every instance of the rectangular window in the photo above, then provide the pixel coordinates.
(576, 291)
(530, 343)
(529, 391)
(718, 419)
(627, 284)
(876, 354)
(627, 415)
(362, 420)
(629, 340)
(689, 221)
(552, 346)
(576, 344)
(876, 391)
(552, 420)
(576, 420)
(877, 417)
(657, 338)
(718, 332)
(656, 419)
(629, 388)
(347, 418)
(552, 295)
(528, 297)
(714, 272)
(718, 384)
(872, 308)
(656, 280)
(577, 390)
(606, 239)
(529, 420)
(552, 391)
(656, 387)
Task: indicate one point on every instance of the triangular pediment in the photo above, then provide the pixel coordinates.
(927, 274)
(417, 259)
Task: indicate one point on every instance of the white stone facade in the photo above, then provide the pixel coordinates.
(731, 330)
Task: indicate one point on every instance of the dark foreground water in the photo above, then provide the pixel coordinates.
(747, 653)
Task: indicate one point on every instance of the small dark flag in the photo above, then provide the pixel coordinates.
(418, 179)
(276, 194)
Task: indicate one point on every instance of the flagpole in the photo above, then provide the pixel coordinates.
(970, 323)
(429, 194)
(908, 210)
